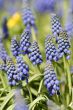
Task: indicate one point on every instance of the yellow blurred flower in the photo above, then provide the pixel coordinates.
(16, 17)
(14, 20)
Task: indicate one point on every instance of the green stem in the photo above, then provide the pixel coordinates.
(33, 35)
(67, 70)
(32, 78)
(34, 92)
(40, 86)
(72, 94)
(69, 78)
(30, 93)
(67, 99)
(63, 107)
(56, 98)
(39, 68)
(40, 98)
(4, 80)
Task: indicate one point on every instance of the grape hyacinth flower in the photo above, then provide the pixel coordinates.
(22, 68)
(51, 51)
(12, 73)
(50, 79)
(56, 26)
(15, 48)
(45, 6)
(3, 67)
(63, 44)
(35, 54)
(25, 41)
(28, 17)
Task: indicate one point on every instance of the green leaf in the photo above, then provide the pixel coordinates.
(4, 80)
(40, 86)
(68, 74)
(2, 98)
(11, 107)
(40, 98)
(7, 99)
(33, 91)
(71, 105)
(32, 78)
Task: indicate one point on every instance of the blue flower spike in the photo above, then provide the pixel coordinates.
(22, 69)
(56, 25)
(63, 44)
(50, 49)
(35, 54)
(25, 41)
(12, 74)
(27, 15)
(15, 48)
(50, 80)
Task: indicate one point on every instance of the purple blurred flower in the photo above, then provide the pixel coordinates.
(45, 5)
(20, 103)
(59, 8)
(69, 19)
(1, 4)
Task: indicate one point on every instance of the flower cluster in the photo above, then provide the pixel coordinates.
(55, 48)
(22, 68)
(11, 72)
(56, 26)
(51, 51)
(63, 44)
(25, 41)
(15, 48)
(28, 18)
(50, 79)
(35, 54)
